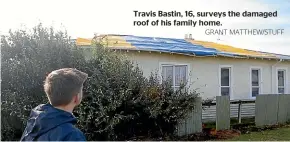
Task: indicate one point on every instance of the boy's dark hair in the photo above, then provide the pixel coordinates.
(62, 85)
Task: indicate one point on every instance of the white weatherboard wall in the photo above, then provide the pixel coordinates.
(205, 72)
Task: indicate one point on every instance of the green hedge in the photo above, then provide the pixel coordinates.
(119, 103)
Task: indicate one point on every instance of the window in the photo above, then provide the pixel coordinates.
(225, 81)
(255, 82)
(175, 74)
(281, 81)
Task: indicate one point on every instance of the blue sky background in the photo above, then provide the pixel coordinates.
(83, 18)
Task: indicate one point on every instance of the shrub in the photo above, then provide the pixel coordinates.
(122, 104)
(26, 58)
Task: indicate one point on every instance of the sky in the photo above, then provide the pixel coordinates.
(83, 18)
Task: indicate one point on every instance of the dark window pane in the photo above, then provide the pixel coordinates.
(255, 77)
(180, 75)
(225, 77)
(281, 90)
(225, 91)
(281, 78)
(255, 92)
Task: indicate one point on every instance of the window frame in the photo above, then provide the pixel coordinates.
(285, 80)
(161, 64)
(260, 80)
(231, 80)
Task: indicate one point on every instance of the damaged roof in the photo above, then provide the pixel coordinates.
(181, 46)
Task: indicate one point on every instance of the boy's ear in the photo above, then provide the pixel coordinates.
(75, 98)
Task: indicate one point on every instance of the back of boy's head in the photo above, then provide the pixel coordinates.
(62, 85)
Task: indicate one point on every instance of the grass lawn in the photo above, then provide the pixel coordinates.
(281, 134)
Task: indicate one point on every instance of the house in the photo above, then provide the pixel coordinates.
(214, 69)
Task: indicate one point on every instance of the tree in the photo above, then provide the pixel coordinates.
(27, 56)
(122, 104)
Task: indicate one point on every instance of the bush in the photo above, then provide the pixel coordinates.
(27, 56)
(120, 103)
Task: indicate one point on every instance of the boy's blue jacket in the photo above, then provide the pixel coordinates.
(47, 123)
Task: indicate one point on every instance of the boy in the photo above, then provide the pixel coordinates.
(55, 121)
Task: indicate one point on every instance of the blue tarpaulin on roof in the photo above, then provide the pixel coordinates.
(169, 45)
(183, 46)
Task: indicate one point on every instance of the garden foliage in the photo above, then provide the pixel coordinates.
(119, 104)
